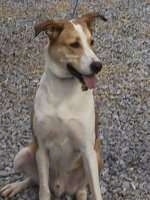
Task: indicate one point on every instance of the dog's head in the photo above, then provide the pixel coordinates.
(70, 47)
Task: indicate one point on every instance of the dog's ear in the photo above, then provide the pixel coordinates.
(50, 27)
(90, 18)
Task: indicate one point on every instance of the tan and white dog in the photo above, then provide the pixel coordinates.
(64, 157)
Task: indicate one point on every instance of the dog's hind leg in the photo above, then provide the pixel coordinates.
(24, 162)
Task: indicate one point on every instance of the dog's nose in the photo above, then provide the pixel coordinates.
(96, 67)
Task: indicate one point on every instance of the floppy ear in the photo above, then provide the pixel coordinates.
(50, 27)
(90, 18)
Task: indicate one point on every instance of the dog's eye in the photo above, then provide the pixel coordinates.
(91, 42)
(75, 44)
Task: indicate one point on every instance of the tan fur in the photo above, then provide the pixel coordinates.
(61, 50)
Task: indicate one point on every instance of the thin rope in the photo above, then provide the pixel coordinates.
(75, 8)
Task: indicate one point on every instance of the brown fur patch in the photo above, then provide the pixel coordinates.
(61, 49)
(62, 34)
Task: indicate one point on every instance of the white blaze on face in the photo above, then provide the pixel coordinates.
(88, 56)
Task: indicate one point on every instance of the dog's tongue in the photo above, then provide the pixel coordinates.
(90, 81)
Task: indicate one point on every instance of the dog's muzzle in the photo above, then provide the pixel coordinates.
(87, 81)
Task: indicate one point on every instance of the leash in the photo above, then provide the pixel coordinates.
(75, 8)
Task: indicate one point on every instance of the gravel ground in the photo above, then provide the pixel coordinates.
(123, 89)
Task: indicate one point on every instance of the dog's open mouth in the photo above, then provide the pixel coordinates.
(87, 81)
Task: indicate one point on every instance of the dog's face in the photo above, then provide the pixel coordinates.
(71, 47)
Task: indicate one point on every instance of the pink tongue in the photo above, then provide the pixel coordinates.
(90, 81)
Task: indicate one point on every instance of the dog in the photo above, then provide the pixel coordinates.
(64, 157)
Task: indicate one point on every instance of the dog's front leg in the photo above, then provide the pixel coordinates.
(43, 172)
(91, 168)
(85, 142)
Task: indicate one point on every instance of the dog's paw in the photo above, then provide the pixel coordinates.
(10, 190)
(44, 195)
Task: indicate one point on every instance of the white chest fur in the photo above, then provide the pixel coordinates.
(58, 102)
